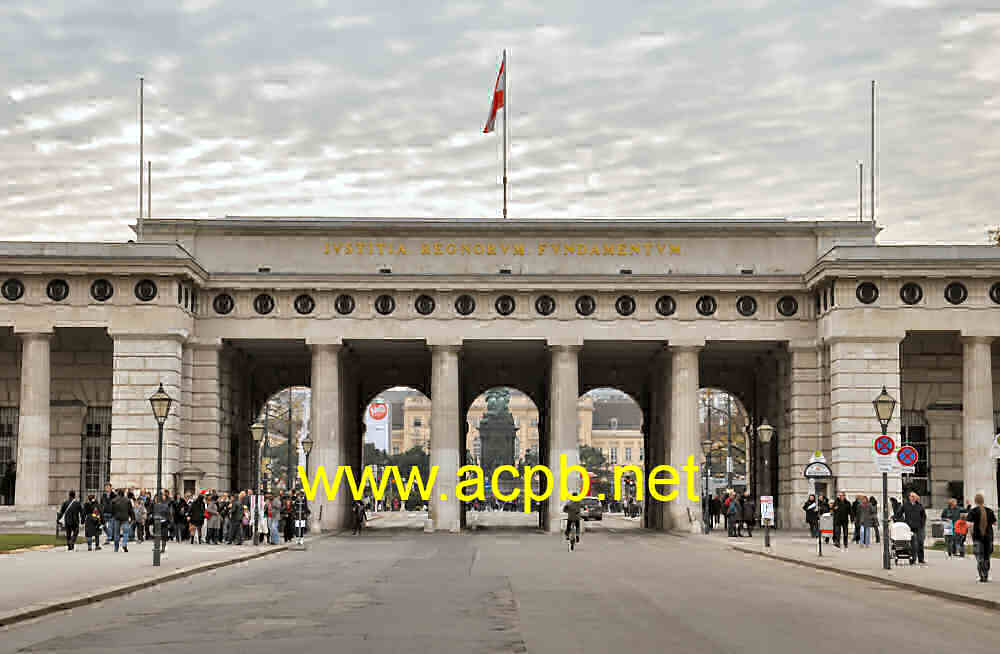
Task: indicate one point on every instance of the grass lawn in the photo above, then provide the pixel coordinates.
(10, 542)
(940, 547)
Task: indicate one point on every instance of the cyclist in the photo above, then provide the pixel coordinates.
(572, 511)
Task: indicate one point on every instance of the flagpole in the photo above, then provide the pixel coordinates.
(505, 73)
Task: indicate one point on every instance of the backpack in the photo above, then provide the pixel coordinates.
(961, 527)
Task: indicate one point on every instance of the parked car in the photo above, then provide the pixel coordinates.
(591, 509)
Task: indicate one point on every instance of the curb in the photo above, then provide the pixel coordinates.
(117, 591)
(925, 590)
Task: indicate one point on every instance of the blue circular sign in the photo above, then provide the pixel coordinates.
(907, 455)
(884, 445)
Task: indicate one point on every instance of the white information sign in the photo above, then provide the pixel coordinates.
(767, 508)
(885, 463)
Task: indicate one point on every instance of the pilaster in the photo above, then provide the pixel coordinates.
(34, 421)
(445, 436)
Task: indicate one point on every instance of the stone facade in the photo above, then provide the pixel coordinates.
(805, 321)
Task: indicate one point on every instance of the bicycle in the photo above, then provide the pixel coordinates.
(573, 537)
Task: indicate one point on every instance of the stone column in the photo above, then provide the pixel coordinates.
(977, 419)
(141, 363)
(325, 431)
(858, 370)
(33, 425)
(661, 435)
(802, 429)
(685, 440)
(444, 437)
(564, 392)
(207, 452)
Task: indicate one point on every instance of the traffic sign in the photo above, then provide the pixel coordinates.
(884, 445)
(907, 456)
(818, 470)
(885, 463)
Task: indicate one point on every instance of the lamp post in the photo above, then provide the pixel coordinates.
(307, 445)
(885, 406)
(706, 518)
(160, 402)
(764, 433)
(257, 432)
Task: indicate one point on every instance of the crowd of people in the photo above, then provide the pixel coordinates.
(958, 523)
(207, 517)
(738, 512)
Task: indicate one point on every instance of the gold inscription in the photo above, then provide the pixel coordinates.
(566, 249)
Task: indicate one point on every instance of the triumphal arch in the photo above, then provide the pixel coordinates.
(804, 321)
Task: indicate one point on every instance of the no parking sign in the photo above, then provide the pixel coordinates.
(907, 458)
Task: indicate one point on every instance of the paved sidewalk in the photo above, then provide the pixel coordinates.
(941, 576)
(37, 579)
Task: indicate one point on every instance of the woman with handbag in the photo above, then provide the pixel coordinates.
(214, 520)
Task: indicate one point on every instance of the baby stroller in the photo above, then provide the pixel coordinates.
(900, 536)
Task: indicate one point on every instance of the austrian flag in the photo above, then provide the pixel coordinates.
(498, 92)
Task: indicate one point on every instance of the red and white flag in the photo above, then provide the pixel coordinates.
(498, 92)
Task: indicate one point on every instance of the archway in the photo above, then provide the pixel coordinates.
(724, 423)
(396, 432)
(611, 435)
(502, 429)
(285, 417)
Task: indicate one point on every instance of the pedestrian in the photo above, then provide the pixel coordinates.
(864, 522)
(854, 516)
(213, 522)
(274, 518)
(106, 499)
(749, 513)
(196, 518)
(139, 508)
(874, 524)
(841, 519)
(358, 517)
(961, 530)
(734, 514)
(950, 517)
(121, 516)
(92, 527)
(981, 521)
(812, 516)
(916, 519)
(70, 516)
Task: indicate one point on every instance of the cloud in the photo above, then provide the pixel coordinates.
(617, 109)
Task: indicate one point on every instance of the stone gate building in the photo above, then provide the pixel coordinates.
(804, 321)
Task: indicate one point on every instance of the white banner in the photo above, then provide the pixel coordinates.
(378, 424)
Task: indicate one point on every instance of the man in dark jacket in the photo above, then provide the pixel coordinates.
(841, 518)
(71, 513)
(916, 519)
(854, 516)
(106, 498)
(121, 514)
(749, 513)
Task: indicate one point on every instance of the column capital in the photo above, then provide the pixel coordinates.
(564, 347)
(324, 340)
(977, 340)
(807, 344)
(328, 347)
(205, 343)
(831, 340)
(179, 335)
(676, 348)
(445, 347)
(34, 335)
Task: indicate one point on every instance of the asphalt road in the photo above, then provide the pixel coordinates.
(506, 590)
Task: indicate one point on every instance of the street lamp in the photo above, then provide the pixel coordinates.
(885, 406)
(706, 447)
(257, 432)
(764, 433)
(160, 402)
(307, 445)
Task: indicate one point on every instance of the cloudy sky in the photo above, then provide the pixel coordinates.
(748, 108)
